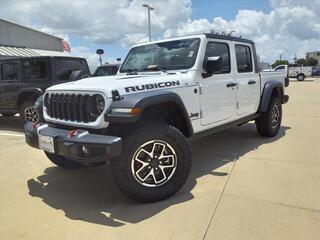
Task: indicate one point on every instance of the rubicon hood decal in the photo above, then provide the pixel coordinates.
(152, 86)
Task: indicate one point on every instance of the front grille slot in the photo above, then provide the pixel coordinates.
(71, 107)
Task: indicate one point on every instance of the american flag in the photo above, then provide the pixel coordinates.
(66, 46)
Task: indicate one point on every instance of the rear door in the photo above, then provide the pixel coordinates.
(34, 73)
(218, 98)
(9, 83)
(248, 81)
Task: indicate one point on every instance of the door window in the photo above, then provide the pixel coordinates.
(10, 71)
(244, 58)
(215, 49)
(34, 70)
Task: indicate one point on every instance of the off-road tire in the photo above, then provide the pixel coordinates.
(300, 77)
(63, 162)
(135, 137)
(265, 121)
(27, 104)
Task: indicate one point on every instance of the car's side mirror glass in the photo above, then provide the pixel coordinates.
(213, 64)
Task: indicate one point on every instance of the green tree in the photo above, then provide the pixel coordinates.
(279, 62)
(301, 61)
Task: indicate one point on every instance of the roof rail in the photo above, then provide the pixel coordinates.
(228, 37)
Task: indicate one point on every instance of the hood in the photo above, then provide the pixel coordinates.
(125, 84)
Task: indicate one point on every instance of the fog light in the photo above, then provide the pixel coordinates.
(85, 150)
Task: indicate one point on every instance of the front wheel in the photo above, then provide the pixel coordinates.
(155, 163)
(28, 112)
(269, 122)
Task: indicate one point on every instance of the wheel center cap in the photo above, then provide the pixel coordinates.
(154, 162)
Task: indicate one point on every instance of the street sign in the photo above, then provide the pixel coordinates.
(100, 51)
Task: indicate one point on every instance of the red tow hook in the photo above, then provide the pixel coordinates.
(72, 133)
(35, 125)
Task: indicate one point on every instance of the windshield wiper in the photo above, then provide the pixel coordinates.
(132, 71)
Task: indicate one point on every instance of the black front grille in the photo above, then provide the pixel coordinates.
(71, 107)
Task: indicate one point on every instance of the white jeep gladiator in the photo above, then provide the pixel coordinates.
(164, 92)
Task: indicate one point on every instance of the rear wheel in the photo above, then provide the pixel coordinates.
(300, 77)
(28, 112)
(63, 162)
(269, 122)
(155, 163)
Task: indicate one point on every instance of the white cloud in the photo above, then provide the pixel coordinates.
(97, 21)
(292, 27)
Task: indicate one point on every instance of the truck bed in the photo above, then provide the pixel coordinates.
(267, 76)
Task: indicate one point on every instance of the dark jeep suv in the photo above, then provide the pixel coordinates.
(23, 80)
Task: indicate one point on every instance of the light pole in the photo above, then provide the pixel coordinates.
(149, 8)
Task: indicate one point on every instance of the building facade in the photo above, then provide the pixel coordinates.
(315, 55)
(21, 41)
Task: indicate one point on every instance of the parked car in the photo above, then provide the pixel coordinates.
(23, 80)
(283, 68)
(316, 71)
(106, 70)
(165, 92)
(300, 72)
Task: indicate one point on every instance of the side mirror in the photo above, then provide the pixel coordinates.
(213, 64)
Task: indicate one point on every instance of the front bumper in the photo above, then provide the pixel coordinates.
(98, 148)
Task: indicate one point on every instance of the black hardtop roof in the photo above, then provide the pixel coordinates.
(38, 57)
(226, 37)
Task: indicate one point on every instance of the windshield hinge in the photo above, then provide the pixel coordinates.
(200, 90)
(201, 114)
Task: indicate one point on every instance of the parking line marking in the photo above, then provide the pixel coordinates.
(11, 134)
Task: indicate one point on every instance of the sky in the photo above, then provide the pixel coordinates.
(279, 27)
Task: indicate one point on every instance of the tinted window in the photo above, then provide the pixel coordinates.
(10, 71)
(244, 58)
(219, 50)
(171, 55)
(34, 70)
(64, 67)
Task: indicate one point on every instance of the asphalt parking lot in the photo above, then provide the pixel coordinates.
(242, 186)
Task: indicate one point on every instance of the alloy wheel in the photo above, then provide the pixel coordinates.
(275, 115)
(154, 163)
(31, 114)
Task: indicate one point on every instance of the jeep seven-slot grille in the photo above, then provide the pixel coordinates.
(71, 107)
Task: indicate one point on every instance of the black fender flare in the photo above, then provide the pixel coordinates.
(266, 94)
(32, 91)
(144, 100)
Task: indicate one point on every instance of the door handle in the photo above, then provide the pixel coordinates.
(252, 82)
(231, 84)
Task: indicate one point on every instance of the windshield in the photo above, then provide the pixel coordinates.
(172, 55)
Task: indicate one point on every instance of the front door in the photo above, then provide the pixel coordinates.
(218, 92)
(9, 84)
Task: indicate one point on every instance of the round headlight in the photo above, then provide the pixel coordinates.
(100, 104)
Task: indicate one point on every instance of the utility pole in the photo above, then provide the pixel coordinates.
(149, 8)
